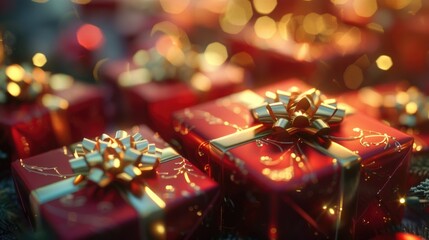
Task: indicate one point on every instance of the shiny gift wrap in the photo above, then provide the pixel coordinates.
(40, 112)
(295, 166)
(131, 185)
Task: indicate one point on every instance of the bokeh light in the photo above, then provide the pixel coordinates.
(215, 54)
(174, 6)
(384, 62)
(201, 82)
(237, 14)
(90, 37)
(264, 6)
(265, 27)
(15, 72)
(39, 59)
(365, 8)
(13, 89)
(353, 76)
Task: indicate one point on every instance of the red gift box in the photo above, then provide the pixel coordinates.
(51, 120)
(69, 210)
(157, 100)
(347, 186)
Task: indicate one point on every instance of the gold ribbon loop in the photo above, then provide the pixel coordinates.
(120, 159)
(299, 112)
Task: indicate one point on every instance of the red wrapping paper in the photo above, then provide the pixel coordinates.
(27, 129)
(93, 212)
(277, 196)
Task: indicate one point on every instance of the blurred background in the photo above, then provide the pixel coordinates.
(338, 46)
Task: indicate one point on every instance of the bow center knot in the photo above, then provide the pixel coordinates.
(107, 159)
(295, 112)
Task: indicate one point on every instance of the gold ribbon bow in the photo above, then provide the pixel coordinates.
(294, 112)
(21, 82)
(120, 159)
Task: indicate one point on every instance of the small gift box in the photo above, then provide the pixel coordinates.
(297, 166)
(169, 75)
(131, 185)
(40, 112)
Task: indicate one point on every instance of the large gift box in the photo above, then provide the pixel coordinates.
(130, 185)
(297, 166)
(40, 112)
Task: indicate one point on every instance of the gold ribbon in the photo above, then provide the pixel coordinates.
(120, 159)
(295, 112)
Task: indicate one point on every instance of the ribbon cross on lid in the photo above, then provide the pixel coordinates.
(294, 112)
(120, 159)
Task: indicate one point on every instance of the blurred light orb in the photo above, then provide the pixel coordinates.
(365, 8)
(39, 59)
(13, 89)
(15, 72)
(264, 6)
(353, 76)
(141, 57)
(201, 82)
(384, 62)
(411, 108)
(39, 75)
(215, 54)
(237, 14)
(174, 6)
(265, 27)
(90, 36)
